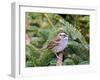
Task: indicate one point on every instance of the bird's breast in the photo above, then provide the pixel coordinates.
(61, 46)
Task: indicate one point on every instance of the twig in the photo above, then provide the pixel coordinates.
(46, 15)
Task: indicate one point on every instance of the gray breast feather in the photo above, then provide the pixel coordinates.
(61, 46)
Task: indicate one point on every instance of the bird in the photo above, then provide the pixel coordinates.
(59, 43)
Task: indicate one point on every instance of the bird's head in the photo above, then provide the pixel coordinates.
(63, 35)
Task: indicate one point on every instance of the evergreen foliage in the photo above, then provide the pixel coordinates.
(41, 29)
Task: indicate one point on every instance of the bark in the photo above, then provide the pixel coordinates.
(59, 60)
(27, 37)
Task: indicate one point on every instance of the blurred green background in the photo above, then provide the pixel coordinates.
(41, 29)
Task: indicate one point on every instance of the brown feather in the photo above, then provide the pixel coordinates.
(54, 42)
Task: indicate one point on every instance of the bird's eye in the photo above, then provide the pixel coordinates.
(60, 35)
(64, 35)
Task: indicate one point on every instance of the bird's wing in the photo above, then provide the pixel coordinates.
(54, 43)
(57, 39)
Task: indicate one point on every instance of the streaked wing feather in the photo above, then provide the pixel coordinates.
(51, 45)
(54, 43)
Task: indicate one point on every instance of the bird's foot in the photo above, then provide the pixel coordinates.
(59, 58)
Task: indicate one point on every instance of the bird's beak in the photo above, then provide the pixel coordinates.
(65, 36)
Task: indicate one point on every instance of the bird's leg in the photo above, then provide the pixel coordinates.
(57, 56)
(59, 61)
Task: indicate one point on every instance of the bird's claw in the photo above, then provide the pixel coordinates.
(59, 58)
